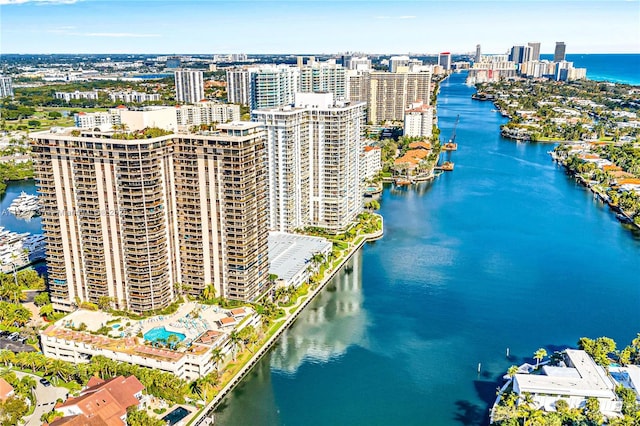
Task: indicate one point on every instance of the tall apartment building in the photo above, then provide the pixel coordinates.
(357, 86)
(189, 86)
(478, 53)
(520, 54)
(130, 219)
(358, 63)
(390, 93)
(239, 86)
(323, 77)
(273, 86)
(444, 60)
(6, 87)
(535, 51)
(313, 152)
(559, 53)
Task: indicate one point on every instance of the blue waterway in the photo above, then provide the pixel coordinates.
(617, 68)
(505, 251)
(8, 220)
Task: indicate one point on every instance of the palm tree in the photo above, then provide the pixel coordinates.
(61, 369)
(196, 387)
(209, 292)
(235, 338)
(7, 357)
(216, 357)
(511, 372)
(28, 384)
(539, 355)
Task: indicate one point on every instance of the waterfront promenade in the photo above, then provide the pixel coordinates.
(205, 417)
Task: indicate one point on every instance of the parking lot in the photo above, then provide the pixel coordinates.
(14, 342)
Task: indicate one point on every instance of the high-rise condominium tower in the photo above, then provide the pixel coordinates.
(239, 86)
(321, 77)
(444, 60)
(189, 86)
(132, 219)
(273, 86)
(390, 93)
(478, 53)
(313, 151)
(535, 51)
(559, 54)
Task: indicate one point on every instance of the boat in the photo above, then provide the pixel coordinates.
(447, 166)
(450, 146)
(402, 182)
(26, 205)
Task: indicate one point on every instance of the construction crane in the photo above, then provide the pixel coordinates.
(452, 145)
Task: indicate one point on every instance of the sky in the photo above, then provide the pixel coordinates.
(303, 26)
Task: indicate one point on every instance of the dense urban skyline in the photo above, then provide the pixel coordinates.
(95, 26)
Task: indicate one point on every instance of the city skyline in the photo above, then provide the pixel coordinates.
(258, 27)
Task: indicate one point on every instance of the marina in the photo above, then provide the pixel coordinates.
(25, 206)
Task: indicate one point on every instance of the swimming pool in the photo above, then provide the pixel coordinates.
(161, 333)
(176, 415)
(115, 326)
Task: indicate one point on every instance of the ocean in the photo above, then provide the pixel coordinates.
(616, 68)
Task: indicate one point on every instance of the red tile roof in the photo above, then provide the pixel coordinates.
(5, 389)
(79, 420)
(106, 400)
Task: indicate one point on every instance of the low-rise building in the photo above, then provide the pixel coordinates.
(579, 379)
(291, 257)
(68, 96)
(371, 161)
(189, 359)
(134, 97)
(418, 120)
(102, 402)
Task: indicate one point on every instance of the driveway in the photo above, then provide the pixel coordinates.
(46, 398)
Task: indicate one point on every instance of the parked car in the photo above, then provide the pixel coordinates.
(45, 382)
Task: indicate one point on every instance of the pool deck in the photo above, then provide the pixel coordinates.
(183, 321)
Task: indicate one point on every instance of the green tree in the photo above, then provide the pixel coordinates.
(12, 410)
(592, 411)
(511, 372)
(41, 299)
(137, 417)
(29, 278)
(599, 349)
(539, 355)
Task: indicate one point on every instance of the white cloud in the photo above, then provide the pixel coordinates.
(396, 17)
(5, 2)
(139, 35)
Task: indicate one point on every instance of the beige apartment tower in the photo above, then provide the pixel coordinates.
(390, 94)
(141, 220)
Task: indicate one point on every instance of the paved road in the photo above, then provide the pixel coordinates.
(15, 346)
(45, 399)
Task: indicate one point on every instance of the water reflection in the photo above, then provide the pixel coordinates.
(330, 324)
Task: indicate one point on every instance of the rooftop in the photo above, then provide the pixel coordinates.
(289, 253)
(585, 379)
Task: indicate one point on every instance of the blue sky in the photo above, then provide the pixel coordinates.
(301, 26)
